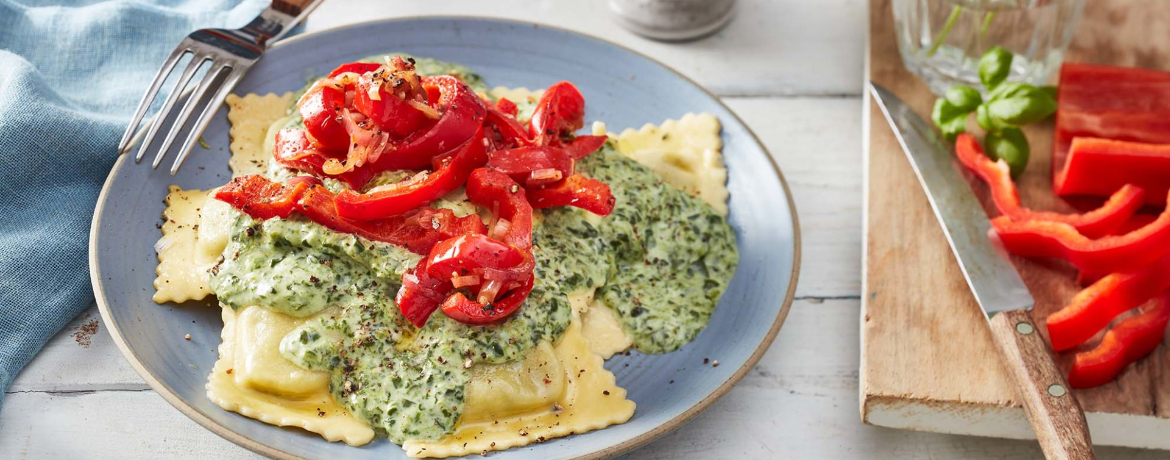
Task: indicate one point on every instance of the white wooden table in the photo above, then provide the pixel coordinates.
(792, 70)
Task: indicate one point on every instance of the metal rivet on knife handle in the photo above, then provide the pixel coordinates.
(1057, 390)
(1025, 328)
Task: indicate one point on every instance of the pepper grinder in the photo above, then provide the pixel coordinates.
(673, 20)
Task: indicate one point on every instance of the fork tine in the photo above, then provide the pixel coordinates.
(144, 104)
(185, 113)
(205, 117)
(196, 62)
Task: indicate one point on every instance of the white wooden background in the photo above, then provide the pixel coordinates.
(792, 70)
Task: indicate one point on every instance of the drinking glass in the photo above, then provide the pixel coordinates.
(942, 40)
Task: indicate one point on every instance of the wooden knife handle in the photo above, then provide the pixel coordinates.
(1055, 414)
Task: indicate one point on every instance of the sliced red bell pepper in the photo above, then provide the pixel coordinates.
(417, 232)
(462, 309)
(472, 254)
(1095, 306)
(510, 132)
(583, 192)
(507, 107)
(1122, 103)
(1085, 278)
(391, 200)
(1100, 166)
(520, 163)
(294, 149)
(321, 110)
(559, 112)
(420, 294)
(261, 198)
(462, 113)
(496, 191)
(996, 174)
(581, 146)
(1129, 340)
(1034, 238)
(355, 67)
(391, 112)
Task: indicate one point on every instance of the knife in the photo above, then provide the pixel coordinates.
(1054, 413)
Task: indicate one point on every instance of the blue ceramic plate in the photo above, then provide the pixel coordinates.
(622, 88)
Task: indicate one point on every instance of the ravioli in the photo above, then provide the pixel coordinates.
(556, 390)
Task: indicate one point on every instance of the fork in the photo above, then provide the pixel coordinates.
(228, 50)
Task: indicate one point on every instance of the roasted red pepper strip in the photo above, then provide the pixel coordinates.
(512, 133)
(1095, 306)
(462, 309)
(355, 67)
(1098, 166)
(321, 109)
(559, 112)
(472, 254)
(581, 146)
(462, 114)
(507, 107)
(583, 192)
(996, 174)
(261, 198)
(496, 191)
(521, 162)
(1033, 238)
(390, 112)
(417, 231)
(295, 150)
(405, 196)
(420, 294)
(1130, 340)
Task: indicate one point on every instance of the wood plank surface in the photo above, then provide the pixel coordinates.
(927, 355)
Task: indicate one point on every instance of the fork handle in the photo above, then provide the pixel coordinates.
(293, 7)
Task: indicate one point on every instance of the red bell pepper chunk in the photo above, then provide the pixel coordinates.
(1100, 166)
(1121, 103)
(510, 132)
(1095, 306)
(1130, 340)
(472, 253)
(583, 192)
(261, 198)
(462, 114)
(391, 112)
(414, 193)
(581, 146)
(420, 294)
(462, 309)
(521, 162)
(996, 174)
(294, 149)
(507, 107)
(1034, 238)
(321, 109)
(559, 112)
(496, 191)
(355, 67)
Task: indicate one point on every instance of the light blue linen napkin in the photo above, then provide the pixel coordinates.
(71, 74)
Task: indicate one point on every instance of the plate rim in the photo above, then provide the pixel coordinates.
(644, 438)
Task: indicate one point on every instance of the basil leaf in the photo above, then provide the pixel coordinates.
(1009, 90)
(994, 67)
(943, 111)
(953, 127)
(1049, 90)
(984, 119)
(964, 98)
(1009, 145)
(1021, 110)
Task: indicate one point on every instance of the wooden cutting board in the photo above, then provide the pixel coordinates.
(928, 361)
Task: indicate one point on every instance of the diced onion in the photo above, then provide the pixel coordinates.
(427, 110)
(499, 229)
(489, 291)
(545, 176)
(318, 84)
(464, 281)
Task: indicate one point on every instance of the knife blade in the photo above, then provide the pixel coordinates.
(1055, 415)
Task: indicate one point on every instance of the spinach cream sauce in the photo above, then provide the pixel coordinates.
(661, 261)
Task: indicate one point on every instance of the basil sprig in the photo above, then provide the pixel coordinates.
(1007, 107)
